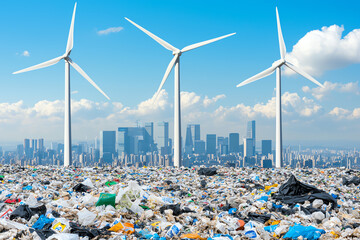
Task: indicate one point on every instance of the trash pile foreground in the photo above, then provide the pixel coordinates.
(167, 203)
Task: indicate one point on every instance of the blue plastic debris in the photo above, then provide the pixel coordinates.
(232, 210)
(221, 236)
(263, 198)
(28, 187)
(277, 206)
(270, 228)
(309, 232)
(42, 221)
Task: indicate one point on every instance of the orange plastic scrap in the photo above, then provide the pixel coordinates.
(123, 227)
(192, 236)
(240, 224)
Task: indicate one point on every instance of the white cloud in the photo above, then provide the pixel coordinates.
(341, 113)
(25, 53)
(110, 30)
(208, 101)
(325, 49)
(75, 92)
(319, 92)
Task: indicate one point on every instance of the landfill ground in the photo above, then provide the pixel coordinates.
(218, 203)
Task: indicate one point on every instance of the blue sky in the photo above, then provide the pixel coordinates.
(128, 66)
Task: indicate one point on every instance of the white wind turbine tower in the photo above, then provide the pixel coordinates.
(277, 66)
(68, 62)
(175, 62)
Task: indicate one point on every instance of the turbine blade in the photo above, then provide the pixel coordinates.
(156, 38)
(167, 72)
(77, 68)
(41, 65)
(281, 39)
(303, 73)
(258, 76)
(196, 45)
(70, 42)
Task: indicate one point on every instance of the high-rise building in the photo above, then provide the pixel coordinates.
(149, 127)
(192, 135)
(265, 147)
(251, 133)
(234, 146)
(189, 144)
(27, 148)
(133, 140)
(199, 147)
(40, 145)
(211, 144)
(163, 138)
(266, 163)
(222, 145)
(107, 145)
(195, 132)
(248, 147)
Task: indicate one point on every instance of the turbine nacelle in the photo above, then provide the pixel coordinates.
(178, 53)
(278, 63)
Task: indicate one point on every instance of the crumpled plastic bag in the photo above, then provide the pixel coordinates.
(86, 217)
(309, 232)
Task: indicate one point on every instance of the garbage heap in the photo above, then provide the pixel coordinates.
(178, 203)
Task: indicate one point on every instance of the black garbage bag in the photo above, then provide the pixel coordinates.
(207, 171)
(294, 191)
(45, 233)
(203, 183)
(309, 210)
(355, 180)
(176, 209)
(55, 214)
(22, 211)
(262, 218)
(87, 232)
(81, 188)
(41, 210)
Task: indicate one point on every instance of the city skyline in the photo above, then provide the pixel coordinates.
(309, 113)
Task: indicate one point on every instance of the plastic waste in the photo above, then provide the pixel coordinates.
(61, 225)
(174, 230)
(86, 217)
(42, 221)
(106, 199)
(309, 232)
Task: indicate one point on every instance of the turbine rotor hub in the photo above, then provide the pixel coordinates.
(178, 52)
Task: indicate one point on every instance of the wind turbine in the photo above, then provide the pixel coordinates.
(277, 66)
(68, 62)
(175, 62)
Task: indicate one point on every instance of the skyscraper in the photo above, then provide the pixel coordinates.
(234, 146)
(248, 147)
(195, 132)
(192, 135)
(163, 138)
(27, 148)
(107, 145)
(199, 147)
(211, 144)
(265, 147)
(189, 144)
(251, 133)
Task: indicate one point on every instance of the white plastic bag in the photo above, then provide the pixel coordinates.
(86, 217)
